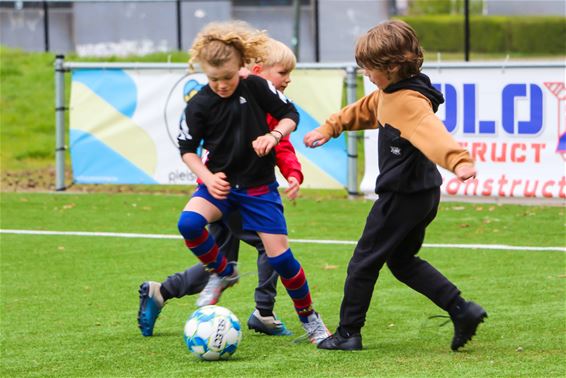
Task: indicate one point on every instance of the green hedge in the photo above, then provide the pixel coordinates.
(492, 34)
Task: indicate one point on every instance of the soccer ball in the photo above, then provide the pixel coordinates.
(212, 333)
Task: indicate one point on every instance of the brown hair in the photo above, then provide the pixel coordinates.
(217, 43)
(388, 44)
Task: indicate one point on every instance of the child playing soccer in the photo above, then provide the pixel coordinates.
(228, 116)
(276, 67)
(411, 140)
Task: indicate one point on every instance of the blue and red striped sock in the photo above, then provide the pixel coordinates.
(294, 279)
(201, 243)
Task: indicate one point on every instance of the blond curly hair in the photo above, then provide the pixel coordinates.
(217, 43)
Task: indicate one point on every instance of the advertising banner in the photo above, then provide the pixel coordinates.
(511, 119)
(124, 125)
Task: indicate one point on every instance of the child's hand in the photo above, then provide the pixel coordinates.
(293, 190)
(314, 139)
(217, 185)
(464, 172)
(264, 144)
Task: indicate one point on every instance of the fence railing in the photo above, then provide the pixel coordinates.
(62, 67)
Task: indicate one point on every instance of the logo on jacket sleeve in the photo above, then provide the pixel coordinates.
(395, 150)
(184, 133)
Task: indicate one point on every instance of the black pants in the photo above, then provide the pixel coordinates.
(227, 233)
(393, 234)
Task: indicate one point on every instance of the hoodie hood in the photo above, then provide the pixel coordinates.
(420, 83)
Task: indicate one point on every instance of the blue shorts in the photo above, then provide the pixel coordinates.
(261, 207)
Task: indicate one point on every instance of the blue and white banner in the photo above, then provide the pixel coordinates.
(124, 126)
(513, 122)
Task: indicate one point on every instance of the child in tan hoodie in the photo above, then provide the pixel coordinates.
(412, 140)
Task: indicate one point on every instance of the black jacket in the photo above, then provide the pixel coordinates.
(402, 167)
(226, 127)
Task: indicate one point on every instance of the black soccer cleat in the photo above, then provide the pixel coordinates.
(339, 342)
(466, 323)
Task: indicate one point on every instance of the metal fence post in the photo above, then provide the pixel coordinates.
(46, 26)
(295, 42)
(60, 123)
(351, 86)
(179, 25)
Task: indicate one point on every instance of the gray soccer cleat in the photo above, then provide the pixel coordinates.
(315, 329)
(215, 286)
(269, 325)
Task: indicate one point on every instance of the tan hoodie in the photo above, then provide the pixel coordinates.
(410, 133)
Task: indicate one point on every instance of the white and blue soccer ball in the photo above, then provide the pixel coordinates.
(213, 333)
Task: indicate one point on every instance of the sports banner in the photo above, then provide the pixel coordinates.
(513, 122)
(124, 125)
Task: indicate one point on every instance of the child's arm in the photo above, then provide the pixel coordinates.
(360, 115)
(290, 167)
(275, 103)
(265, 143)
(287, 161)
(436, 143)
(216, 183)
(189, 139)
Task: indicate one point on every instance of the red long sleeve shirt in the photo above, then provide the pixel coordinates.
(285, 155)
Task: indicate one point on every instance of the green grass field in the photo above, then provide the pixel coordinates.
(69, 303)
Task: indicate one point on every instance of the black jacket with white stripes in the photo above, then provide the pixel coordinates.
(226, 127)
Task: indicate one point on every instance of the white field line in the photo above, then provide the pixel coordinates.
(305, 241)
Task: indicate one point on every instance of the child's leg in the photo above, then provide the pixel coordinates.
(263, 318)
(227, 241)
(291, 272)
(266, 289)
(192, 222)
(410, 269)
(265, 292)
(425, 279)
(189, 282)
(262, 211)
(153, 295)
(382, 231)
(391, 219)
(294, 279)
(419, 275)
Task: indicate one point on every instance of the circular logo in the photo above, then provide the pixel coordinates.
(181, 92)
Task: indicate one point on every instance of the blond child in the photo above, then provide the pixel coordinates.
(276, 66)
(228, 116)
